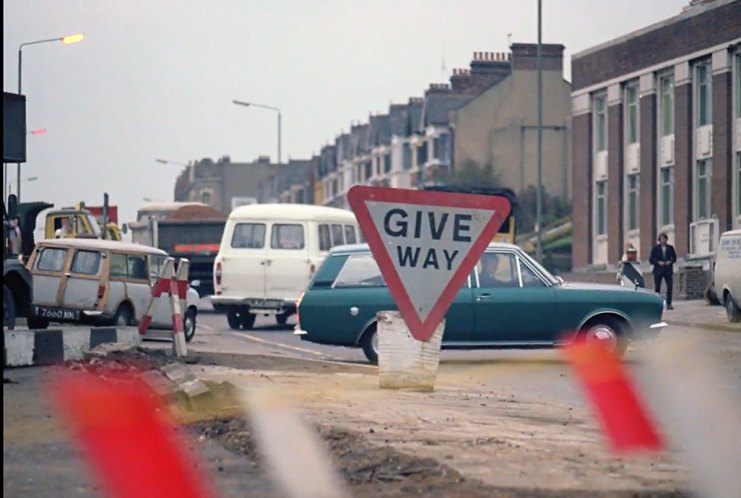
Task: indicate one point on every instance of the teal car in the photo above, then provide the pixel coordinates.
(509, 301)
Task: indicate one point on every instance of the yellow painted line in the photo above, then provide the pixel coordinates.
(276, 344)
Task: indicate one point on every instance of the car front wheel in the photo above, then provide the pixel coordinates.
(607, 331)
(369, 343)
(732, 310)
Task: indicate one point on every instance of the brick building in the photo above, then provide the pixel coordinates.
(656, 126)
(223, 184)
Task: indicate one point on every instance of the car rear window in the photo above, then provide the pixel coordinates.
(86, 262)
(360, 270)
(248, 236)
(287, 236)
(51, 259)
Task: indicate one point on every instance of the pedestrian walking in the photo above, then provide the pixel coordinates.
(663, 257)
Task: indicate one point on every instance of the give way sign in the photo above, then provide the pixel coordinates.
(426, 244)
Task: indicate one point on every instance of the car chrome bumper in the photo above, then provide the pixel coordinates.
(92, 313)
(658, 326)
(299, 331)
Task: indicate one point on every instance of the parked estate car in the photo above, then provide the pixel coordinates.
(525, 307)
(268, 254)
(727, 273)
(101, 282)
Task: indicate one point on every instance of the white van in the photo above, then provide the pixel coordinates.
(268, 254)
(728, 273)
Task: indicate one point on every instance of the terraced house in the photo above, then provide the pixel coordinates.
(656, 118)
(420, 141)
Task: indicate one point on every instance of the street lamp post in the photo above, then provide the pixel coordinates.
(64, 39)
(248, 104)
(539, 200)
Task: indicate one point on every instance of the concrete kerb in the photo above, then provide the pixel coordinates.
(51, 346)
(721, 327)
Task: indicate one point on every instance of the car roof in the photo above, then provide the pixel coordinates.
(290, 212)
(101, 245)
(731, 232)
(360, 248)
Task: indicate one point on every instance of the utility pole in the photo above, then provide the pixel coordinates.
(539, 201)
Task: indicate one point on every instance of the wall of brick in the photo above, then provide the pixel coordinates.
(683, 167)
(688, 34)
(689, 282)
(581, 178)
(722, 157)
(615, 198)
(648, 176)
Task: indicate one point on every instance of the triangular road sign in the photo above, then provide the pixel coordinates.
(426, 244)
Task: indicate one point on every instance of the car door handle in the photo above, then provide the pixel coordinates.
(483, 297)
(68, 274)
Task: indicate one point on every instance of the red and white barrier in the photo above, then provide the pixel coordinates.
(176, 286)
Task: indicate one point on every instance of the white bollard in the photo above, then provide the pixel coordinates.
(403, 361)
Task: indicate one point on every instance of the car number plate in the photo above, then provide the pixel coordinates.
(57, 313)
(265, 303)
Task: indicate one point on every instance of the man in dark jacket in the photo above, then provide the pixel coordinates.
(663, 258)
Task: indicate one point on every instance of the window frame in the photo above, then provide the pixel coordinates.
(707, 179)
(600, 122)
(632, 204)
(40, 256)
(273, 236)
(632, 111)
(354, 257)
(253, 224)
(666, 104)
(600, 219)
(703, 80)
(667, 214)
(82, 273)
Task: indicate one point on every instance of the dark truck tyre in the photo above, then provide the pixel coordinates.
(8, 308)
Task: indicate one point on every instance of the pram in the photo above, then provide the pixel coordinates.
(630, 274)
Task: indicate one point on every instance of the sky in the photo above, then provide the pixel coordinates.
(156, 78)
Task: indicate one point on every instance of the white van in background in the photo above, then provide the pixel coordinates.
(728, 273)
(268, 254)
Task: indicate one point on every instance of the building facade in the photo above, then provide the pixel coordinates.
(499, 126)
(656, 119)
(223, 184)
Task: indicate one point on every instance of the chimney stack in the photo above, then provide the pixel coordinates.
(525, 57)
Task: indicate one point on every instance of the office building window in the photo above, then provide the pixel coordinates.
(737, 76)
(703, 79)
(631, 113)
(600, 122)
(633, 205)
(600, 207)
(667, 196)
(666, 103)
(387, 163)
(703, 186)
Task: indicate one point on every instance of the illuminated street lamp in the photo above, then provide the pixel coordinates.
(67, 40)
(262, 106)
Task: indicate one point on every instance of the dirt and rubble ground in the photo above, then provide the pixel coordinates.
(457, 441)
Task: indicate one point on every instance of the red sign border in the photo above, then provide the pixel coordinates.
(360, 194)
